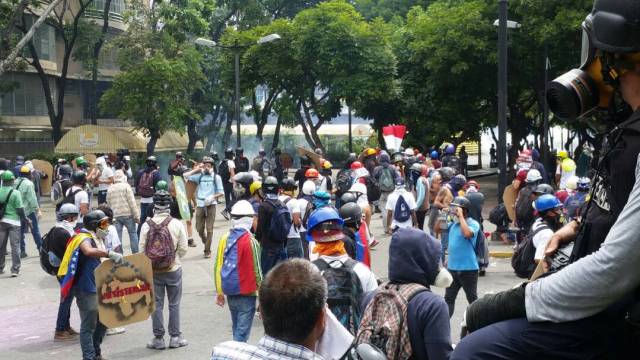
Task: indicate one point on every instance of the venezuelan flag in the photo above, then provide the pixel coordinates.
(69, 263)
(362, 245)
(237, 266)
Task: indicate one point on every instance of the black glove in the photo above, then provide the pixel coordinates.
(494, 308)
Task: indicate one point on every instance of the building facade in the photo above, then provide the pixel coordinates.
(24, 122)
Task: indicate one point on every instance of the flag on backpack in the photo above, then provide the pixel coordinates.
(69, 264)
(362, 244)
(237, 266)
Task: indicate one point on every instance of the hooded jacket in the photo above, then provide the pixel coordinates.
(414, 257)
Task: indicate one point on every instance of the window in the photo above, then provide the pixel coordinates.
(27, 99)
(44, 40)
(116, 7)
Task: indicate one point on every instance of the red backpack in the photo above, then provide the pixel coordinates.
(159, 246)
(145, 185)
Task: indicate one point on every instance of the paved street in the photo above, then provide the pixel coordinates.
(28, 306)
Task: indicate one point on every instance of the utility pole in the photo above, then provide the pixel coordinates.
(502, 97)
(350, 135)
(237, 93)
(545, 112)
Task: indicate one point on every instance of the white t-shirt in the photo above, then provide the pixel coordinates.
(541, 239)
(80, 198)
(294, 208)
(302, 205)
(104, 176)
(231, 165)
(564, 176)
(391, 205)
(112, 241)
(366, 276)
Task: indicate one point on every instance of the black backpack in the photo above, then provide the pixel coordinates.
(242, 164)
(70, 198)
(280, 222)
(344, 181)
(401, 213)
(499, 215)
(3, 204)
(522, 261)
(524, 209)
(54, 234)
(373, 190)
(344, 292)
(223, 170)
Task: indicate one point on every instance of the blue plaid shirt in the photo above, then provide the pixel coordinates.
(267, 348)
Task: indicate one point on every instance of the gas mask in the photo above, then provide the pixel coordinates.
(594, 85)
(102, 233)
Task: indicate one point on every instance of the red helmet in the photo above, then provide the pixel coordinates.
(311, 173)
(474, 184)
(356, 165)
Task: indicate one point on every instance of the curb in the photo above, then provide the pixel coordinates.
(501, 254)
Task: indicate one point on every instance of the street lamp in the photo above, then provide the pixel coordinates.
(502, 24)
(236, 47)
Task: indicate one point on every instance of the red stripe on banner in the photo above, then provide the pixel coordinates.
(246, 273)
(387, 130)
(399, 131)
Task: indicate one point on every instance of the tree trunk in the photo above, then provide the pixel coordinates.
(193, 135)
(226, 136)
(276, 134)
(96, 62)
(151, 145)
(313, 129)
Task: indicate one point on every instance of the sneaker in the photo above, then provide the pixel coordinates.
(71, 331)
(63, 336)
(191, 243)
(177, 341)
(374, 243)
(157, 344)
(15, 274)
(23, 255)
(116, 331)
(207, 255)
(225, 214)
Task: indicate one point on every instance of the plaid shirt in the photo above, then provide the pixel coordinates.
(268, 348)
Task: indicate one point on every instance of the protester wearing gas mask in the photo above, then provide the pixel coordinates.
(588, 300)
(209, 191)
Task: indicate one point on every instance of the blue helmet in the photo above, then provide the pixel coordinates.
(434, 155)
(547, 202)
(320, 216)
(584, 184)
(450, 149)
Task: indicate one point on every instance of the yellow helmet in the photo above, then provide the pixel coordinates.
(255, 186)
(326, 165)
(370, 151)
(25, 170)
(562, 154)
(568, 165)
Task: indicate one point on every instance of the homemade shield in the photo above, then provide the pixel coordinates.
(125, 292)
(181, 197)
(46, 168)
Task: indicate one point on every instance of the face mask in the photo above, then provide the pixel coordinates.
(69, 224)
(102, 233)
(580, 91)
(243, 222)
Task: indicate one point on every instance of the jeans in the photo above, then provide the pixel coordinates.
(294, 248)
(205, 218)
(10, 234)
(64, 312)
(171, 282)
(444, 244)
(383, 208)
(305, 244)
(468, 280)
(243, 309)
(91, 329)
(102, 197)
(228, 195)
(35, 231)
(130, 224)
(144, 211)
(421, 215)
(270, 257)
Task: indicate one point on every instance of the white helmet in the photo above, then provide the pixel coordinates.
(533, 175)
(408, 151)
(572, 183)
(309, 187)
(358, 188)
(242, 208)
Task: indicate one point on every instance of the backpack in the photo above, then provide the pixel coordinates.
(373, 190)
(307, 212)
(242, 164)
(482, 249)
(344, 291)
(3, 204)
(344, 181)
(401, 213)
(386, 180)
(499, 215)
(46, 253)
(145, 185)
(60, 188)
(159, 247)
(522, 261)
(280, 223)
(384, 321)
(70, 198)
(524, 210)
(223, 170)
